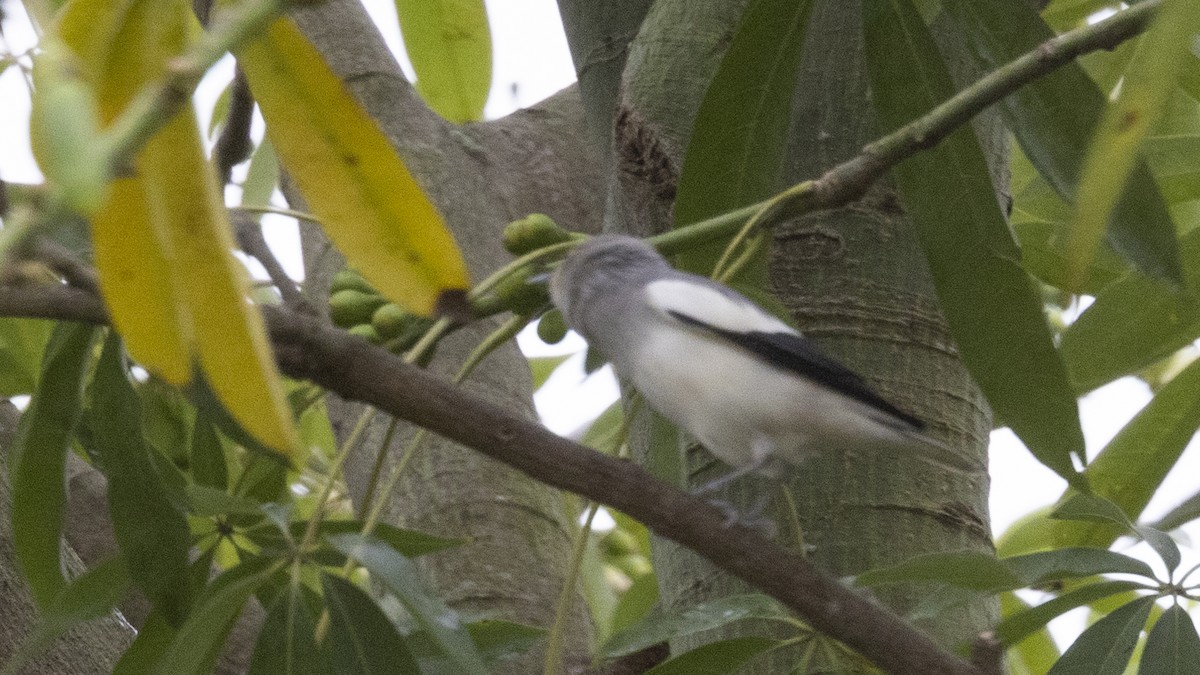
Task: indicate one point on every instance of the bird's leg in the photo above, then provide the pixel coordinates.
(761, 453)
(752, 517)
(721, 481)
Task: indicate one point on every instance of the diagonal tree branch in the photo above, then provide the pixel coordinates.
(355, 369)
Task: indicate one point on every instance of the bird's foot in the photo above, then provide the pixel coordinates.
(754, 518)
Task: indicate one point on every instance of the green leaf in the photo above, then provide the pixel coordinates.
(90, 596)
(604, 434)
(401, 577)
(1114, 152)
(153, 639)
(983, 572)
(1132, 324)
(195, 647)
(361, 638)
(1022, 624)
(450, 46)
(1038, 216)
(1105, 647)
(1106, 67)
(1036, 652)
(1131, 468)
(315, 430)
(1186, 512)
(167, 419)
(220, 110)
(1095, 508)
(1038, 568)
(38, 457)
(262, 176)
(22, 342)
(263, 480)
(1066, 14)
(498, 640)
(966, 569)
(64, 128)
(1190, 81)
(737, 142)
(661, 626)
(1173, 647)
(206, 501)
(716, 658)
(1032, 532)
(635, 603)
(1175, 161)
(208, 454)
(597, 590)
(1053, 118)
(992, 306)
(543, 367)
(152, 534)
(408, 543)
(1043, 254)
(665, 455)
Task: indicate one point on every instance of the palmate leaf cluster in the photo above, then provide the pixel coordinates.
(215, 463)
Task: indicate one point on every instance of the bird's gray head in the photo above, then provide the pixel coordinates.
(599, 267)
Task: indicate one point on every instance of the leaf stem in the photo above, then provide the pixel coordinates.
(558, 631)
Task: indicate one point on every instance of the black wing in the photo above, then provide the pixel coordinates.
(796, 354)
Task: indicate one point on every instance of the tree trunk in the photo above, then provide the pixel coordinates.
(480, 176)
(855, 280)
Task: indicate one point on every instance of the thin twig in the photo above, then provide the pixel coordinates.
(850, 180)
(64, 261)
(250, 238)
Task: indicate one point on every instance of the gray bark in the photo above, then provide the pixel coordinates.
(480, 176)
(854, 279)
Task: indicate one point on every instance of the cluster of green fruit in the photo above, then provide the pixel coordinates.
(356, 306)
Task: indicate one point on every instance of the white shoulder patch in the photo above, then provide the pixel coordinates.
(711, 307)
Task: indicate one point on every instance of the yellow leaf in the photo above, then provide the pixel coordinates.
(164, 249)
(369, 203)
(121, 46)
(228, 331)
(136, 280)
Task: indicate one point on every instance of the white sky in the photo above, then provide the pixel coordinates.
(531, 61)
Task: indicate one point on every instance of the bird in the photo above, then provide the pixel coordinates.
(754, 391)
